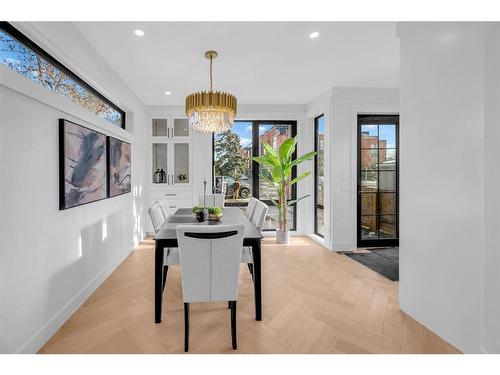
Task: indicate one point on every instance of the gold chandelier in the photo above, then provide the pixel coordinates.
(211, 111)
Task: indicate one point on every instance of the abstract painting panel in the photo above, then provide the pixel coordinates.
(119, 171)
(82, 165)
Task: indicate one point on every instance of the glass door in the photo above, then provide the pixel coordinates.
(319, 175)
(236, 173)
(378, 180)
(160, 163)
(181, 160)
(273, 133)
(180, 128)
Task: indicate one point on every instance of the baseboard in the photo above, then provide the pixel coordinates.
(35, 343)
(343, 246)
(318, 239)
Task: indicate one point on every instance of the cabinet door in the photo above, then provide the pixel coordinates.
(180, 167)
(180, 128)
(159, 127)
(160, 165)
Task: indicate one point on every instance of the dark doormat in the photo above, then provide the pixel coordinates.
(384, 261)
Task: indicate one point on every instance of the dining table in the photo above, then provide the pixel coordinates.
(166, 237)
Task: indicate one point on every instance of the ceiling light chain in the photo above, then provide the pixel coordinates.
(211, 59)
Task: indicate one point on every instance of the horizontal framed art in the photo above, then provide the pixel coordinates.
(119, 167)
(82, 165)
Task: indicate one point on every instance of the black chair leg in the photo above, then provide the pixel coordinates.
(165, 271)
(250, 268)
(233, 324)
(186, 327)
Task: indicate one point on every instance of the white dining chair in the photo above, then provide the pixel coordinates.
(171, 255)
(211, 200)
(250, 207)
(258, 218)
(157, 216)
(165, 208)
(210, 259)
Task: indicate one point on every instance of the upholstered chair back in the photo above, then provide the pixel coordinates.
(156, 215)
(259, 214)
(210, 259)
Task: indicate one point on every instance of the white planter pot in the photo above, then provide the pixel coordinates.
(282, 236)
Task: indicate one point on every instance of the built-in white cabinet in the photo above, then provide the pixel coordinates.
(171, 162)
(170, 152)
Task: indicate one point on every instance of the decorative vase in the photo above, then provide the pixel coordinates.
(282, 236)
(213, 217)
(157, 177)
(200, 216)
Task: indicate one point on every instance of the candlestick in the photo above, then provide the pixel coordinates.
(204, 192)
(205, 209)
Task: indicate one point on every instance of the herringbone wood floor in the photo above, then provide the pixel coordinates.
(315, 301)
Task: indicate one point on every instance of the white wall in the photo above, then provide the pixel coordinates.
(442, 159)
(52, 260)
(491, 190)
(317, 107)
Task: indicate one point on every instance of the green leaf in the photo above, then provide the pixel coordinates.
(270, 150)
(303, 158)
(287, 148)
(265, 161)
(292, 202)
(299, 178)
(276, 174)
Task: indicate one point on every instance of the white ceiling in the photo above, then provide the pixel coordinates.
(261, 63)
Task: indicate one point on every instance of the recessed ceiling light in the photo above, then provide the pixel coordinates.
(139, 32)
(314, 35)
(168, 93)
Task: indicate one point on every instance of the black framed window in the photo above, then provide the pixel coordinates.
(234, 169)
(22, 55)
(378, 180)
(319, 175)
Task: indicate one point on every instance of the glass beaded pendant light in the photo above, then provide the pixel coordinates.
(211, 111)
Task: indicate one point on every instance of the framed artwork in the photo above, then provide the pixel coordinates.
(119, 167)
(82, 165)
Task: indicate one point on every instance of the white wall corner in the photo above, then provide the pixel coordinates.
(36, 342)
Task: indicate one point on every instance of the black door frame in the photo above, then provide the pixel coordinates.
(316, 205)
(376, 119)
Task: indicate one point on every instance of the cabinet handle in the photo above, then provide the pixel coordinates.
(170, 194)
(168, 132)
(173, 206)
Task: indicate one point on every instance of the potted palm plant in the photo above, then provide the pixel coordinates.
(278, 166)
